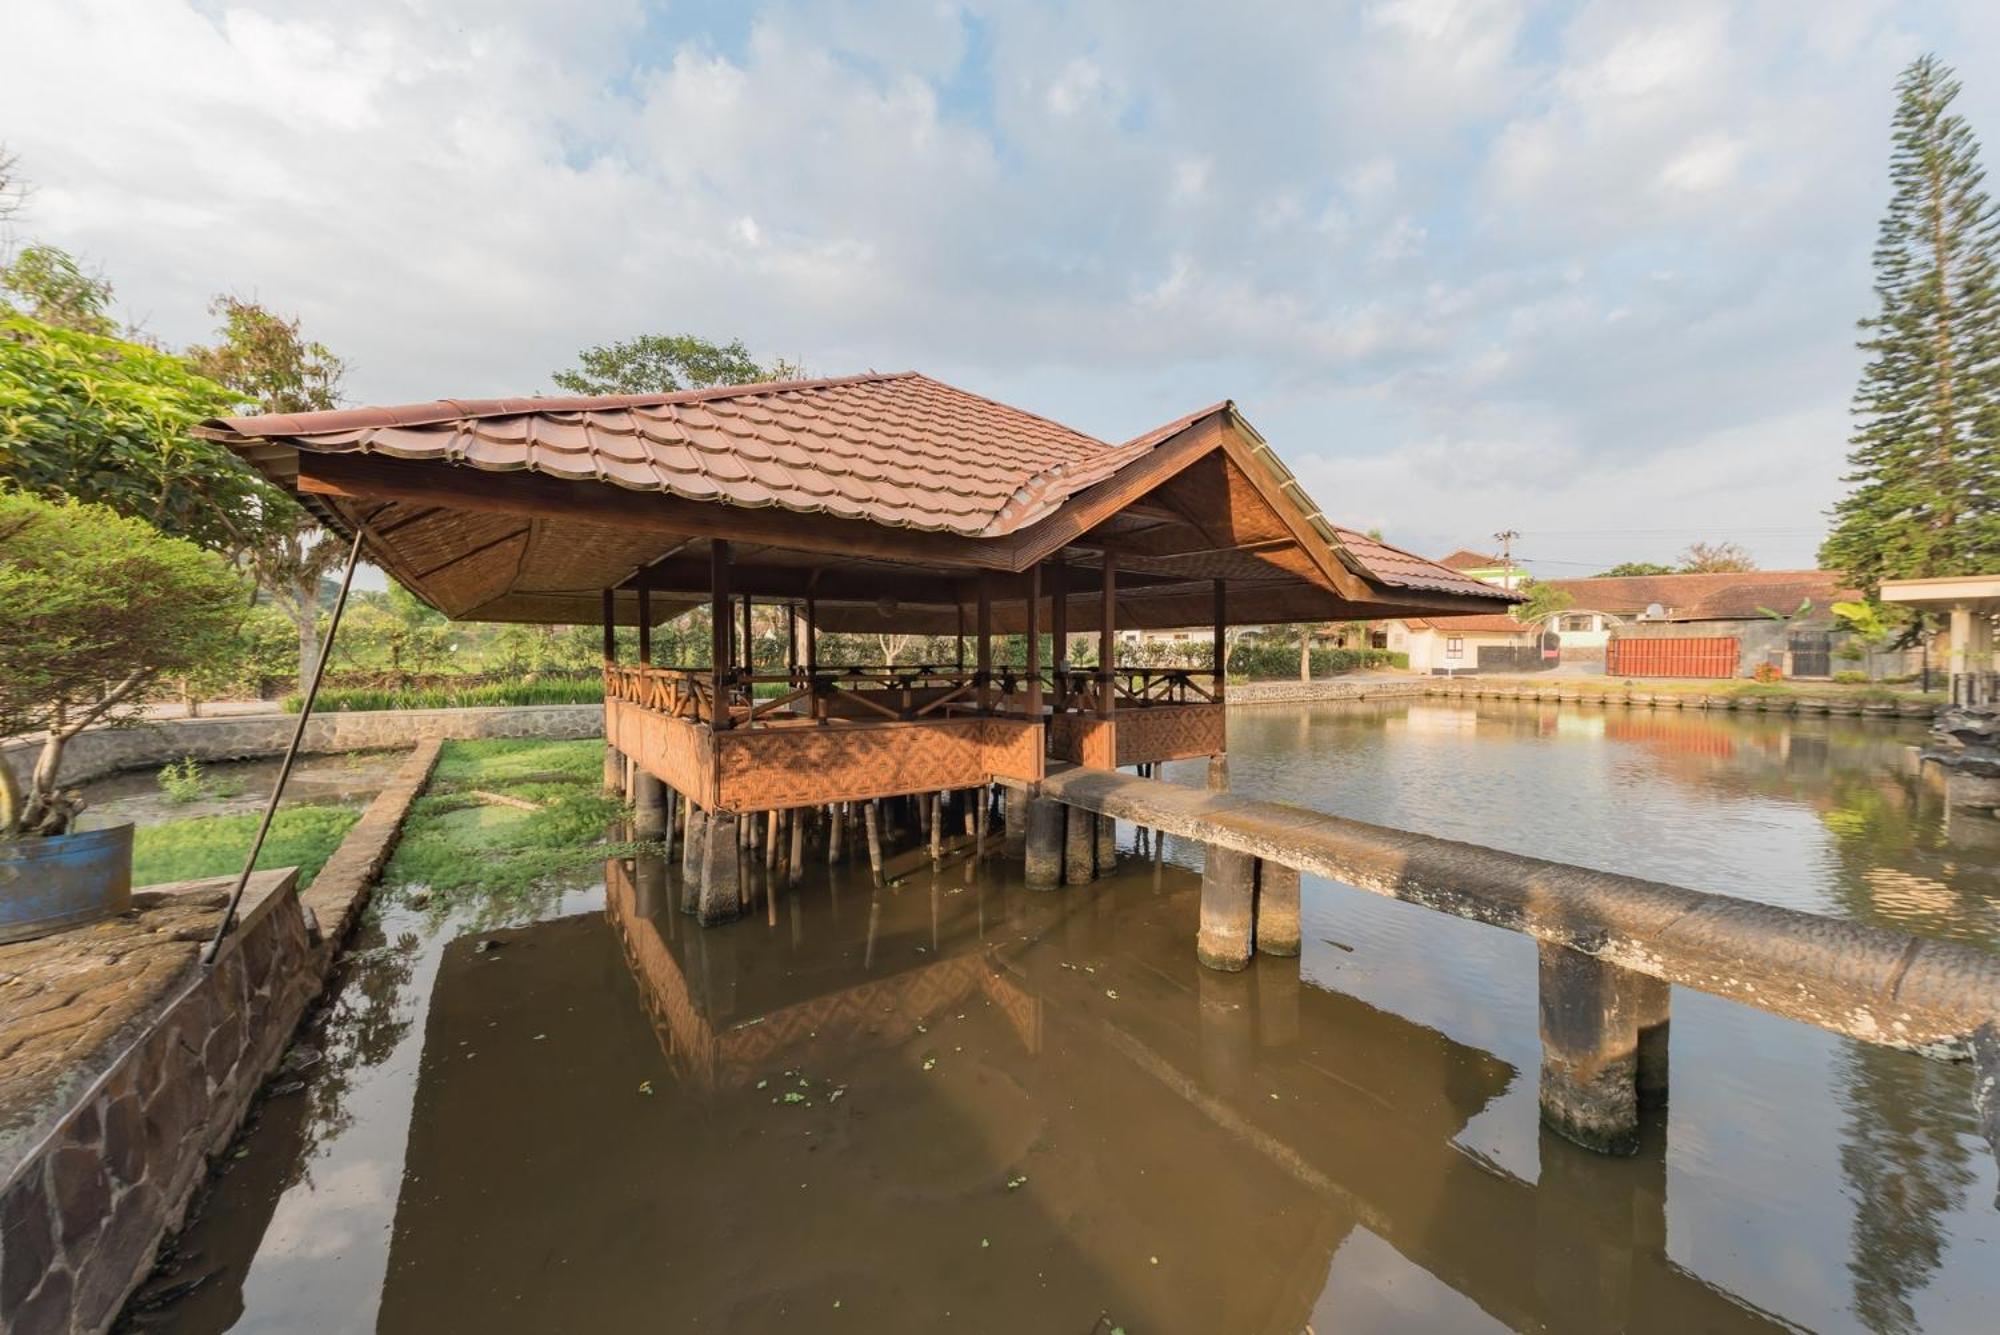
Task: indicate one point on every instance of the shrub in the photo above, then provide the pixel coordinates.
(547, 691)
(94, 608)
(182, 780)
(1851, 678)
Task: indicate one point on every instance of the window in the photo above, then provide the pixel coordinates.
(1580, 622)
(1454, 646)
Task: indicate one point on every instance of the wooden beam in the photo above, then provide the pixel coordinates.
(857, 583)
(1059, 628)
(719, 633)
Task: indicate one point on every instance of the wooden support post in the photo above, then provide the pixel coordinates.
(1220, 651)
(959, 606)
(936, 823)
(719, 633)
(984, 630)
(795, 867)
(836, 828)
(673, 808)
(649, 806)
(1107, 845)
(1079, 846)
(1590, 1050)
(749, 641)
(771, 836)
(610, 627)
(1107, 637)
(721, 883)
(792, 640)
(1059, 631)
(1033, 705)
(645, 627)
(1042, 841)
(981, 815)
(812, 661)
(1228, 886)
(614, 769)
(1277, 908)
(871, 816)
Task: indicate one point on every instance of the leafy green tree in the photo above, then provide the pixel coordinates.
(268, 364)
(1543, 602)
(94, 608)
(1630, 568)
(1715, 558)
(107, 421)
(13, 191)
(1924, 460)
(664, 364)
(47, 283)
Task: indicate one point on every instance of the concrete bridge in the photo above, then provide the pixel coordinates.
(1611, 946)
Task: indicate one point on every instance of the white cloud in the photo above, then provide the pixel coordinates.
(1436, 245)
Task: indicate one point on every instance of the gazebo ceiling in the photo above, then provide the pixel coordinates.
(886, 499)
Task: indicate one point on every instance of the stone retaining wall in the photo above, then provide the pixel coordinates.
(1332, 688)
(126, 1080)
(102, 751)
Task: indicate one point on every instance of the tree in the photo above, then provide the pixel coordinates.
(263, 359)
(1715, 558)
(1927, 409)
(48, 284)
(94, 607)
(1543, 602)
(13, 191)
(107, 421)
(1629, 568)
(664, 364)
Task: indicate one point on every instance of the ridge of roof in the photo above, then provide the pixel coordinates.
(436, 411)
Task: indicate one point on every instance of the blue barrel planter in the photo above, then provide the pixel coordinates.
(67, 880)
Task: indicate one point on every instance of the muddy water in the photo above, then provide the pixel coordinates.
(956, 1104)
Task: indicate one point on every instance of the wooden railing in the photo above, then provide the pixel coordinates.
(904, 693)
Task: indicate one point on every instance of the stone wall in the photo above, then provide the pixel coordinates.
(124, 1065)
(1330, 688)
(103, 751)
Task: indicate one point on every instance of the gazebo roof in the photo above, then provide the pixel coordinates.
(882, 496)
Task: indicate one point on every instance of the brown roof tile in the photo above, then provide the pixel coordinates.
(1714, 597)
(1407, 570)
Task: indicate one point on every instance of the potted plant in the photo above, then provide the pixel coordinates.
(94, 609)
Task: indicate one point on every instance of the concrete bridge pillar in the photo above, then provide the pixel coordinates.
(1107, 845)
(721, 898)
(649, 806)
(1079, 847)
(1042, 841)
(1228, 896)
(1015, 820)
(1590, 1021)
(614, 769)
(1277, 909)
(694, 841)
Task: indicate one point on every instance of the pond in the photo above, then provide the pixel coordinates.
(953, 1103)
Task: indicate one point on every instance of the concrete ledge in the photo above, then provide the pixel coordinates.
(341, 890)
(127, 1065)
(102, 751)
(1864, 982)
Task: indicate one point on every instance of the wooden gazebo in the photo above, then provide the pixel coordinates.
(877, 503)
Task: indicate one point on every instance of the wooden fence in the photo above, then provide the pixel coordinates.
(1713, 656)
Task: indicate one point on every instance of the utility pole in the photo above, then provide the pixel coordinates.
(1505, 538)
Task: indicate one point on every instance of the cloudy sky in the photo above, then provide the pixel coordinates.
(1587, 271)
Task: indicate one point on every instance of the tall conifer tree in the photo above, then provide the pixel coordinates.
(1925, 500)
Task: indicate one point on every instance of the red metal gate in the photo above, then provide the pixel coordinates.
(1707, 657)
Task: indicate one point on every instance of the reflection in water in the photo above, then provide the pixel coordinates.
(953, 1102)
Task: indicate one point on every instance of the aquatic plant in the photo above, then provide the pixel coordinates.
(201, 846)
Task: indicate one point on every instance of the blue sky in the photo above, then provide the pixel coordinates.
(1586, 271)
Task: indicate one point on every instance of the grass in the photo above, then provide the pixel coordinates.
(553, 691)
(502, 862)
(201, 846)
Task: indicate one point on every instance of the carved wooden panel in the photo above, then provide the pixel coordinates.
(1139, 736)
(678, 752)
(804, 764)
(1171, 732)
